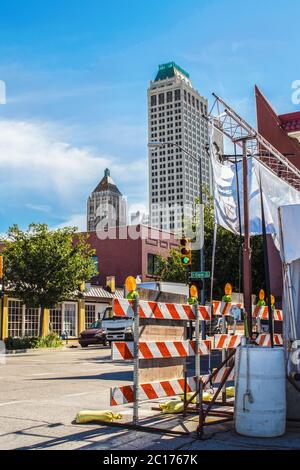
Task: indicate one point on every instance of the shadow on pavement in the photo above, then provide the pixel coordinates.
(118, 375)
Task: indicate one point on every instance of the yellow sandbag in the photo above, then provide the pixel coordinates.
(172, 407)
(230, 392)
(88, 416)
(205, 397)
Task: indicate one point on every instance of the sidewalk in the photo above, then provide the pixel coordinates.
(220, 437)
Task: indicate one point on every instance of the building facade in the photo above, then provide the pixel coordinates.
(283, 132)
(139, 217)
(130, 251)
(67, 319)
(176, 117)
(106, 207)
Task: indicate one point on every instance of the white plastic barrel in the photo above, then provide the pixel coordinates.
(260, 403)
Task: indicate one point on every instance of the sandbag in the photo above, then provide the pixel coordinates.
(205, 397)
(88, 416)
(171, 407)
(230, 392)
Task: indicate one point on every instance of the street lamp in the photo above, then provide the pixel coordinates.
(159, 144)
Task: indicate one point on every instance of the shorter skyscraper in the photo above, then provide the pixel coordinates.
(106, 206)
(139, 217)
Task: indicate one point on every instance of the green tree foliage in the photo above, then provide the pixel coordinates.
(228, 260)
(171, 269)
(44, 267)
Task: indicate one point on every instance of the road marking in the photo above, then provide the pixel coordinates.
(43, 373)
(78, 394)
(13, 402)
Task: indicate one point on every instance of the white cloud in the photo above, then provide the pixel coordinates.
(76, 220)
(38, 208)
(39, 171)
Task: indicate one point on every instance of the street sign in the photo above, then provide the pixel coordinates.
(200, 275)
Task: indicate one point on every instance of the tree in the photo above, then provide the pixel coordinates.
(44, 267)
(171, 269)
(229, 256)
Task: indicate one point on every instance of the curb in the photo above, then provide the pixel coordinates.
(24, 351)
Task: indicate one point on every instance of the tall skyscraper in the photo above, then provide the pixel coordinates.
(106, 207)
(175, 116)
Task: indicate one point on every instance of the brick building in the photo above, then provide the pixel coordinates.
(131, 250)
(283, 132)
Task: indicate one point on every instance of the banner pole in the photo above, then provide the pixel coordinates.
(136, 335)
(197, 353)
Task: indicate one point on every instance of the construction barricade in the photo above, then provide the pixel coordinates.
(191, 388)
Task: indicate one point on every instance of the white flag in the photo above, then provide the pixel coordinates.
(276, 193)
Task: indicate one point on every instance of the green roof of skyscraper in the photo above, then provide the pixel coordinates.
(168, 71)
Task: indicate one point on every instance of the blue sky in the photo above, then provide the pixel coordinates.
(77, 73)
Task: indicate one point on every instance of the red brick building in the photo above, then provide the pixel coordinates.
(129, 251)
(283, 132)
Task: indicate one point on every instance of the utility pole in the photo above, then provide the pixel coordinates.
(247, 277)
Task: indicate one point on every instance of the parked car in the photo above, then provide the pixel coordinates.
(93, 335)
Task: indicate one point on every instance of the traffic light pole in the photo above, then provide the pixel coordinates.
(201, 248)
(201, 251)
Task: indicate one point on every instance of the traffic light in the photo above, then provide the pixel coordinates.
(185, 252)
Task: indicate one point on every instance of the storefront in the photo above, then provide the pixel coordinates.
(67, 319)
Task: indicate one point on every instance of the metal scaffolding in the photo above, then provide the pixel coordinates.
(233, 126)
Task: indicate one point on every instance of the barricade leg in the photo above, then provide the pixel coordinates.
(136, 333)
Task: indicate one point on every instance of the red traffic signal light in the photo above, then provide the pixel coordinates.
(185, 252)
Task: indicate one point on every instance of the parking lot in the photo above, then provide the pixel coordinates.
(41, 392)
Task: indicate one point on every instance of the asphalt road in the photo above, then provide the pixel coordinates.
(41, 392)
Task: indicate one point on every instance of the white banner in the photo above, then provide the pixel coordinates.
(276, 193)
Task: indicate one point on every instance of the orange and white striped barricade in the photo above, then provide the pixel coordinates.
(264, 340)
(164, 388)
(159, 310)
(159, 349)
(152, 391)
(263, 313)
(224, 341)
(222, 373)
(223, 308)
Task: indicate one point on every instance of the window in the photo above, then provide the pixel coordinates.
(70, 319)
(177, 95)
(90, 314)
(56, 320)
(153, 100)
(15, 315)
(169, 96)
(96, 263)
(152, 264)
(161, 98)
(32, 316)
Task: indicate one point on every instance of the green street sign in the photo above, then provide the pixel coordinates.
(200, 275)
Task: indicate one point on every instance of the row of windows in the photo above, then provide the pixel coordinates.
(189, 98)
(161, 98)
